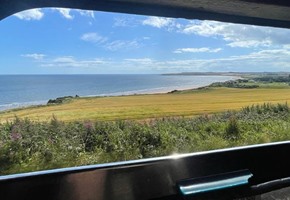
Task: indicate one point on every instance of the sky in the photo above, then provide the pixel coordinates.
(66, 41)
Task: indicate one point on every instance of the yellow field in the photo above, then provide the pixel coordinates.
(153, 106)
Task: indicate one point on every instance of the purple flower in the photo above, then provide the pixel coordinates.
(16, 136)
(88, 125)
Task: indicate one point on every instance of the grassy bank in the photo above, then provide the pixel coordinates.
(185, 103)
(28, 146)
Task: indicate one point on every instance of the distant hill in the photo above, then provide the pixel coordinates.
(229, 74)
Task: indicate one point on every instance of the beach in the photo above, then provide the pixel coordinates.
(29, 90)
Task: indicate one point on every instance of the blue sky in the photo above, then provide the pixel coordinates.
(65, 41)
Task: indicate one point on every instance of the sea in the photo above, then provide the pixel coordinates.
(26, 90)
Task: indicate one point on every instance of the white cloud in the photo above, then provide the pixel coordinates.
(158, 22)
(125, 21)
(33, 14)
(35, 56)
(238, 35)
(110, 45)
(235, 35)
(93, 37)
(139, 59)
(130, 65)
(142, 61)
(286, 46)
(122, 45)
(64, 59)
(71, 62)
(86, 13)
(65, 12)
(264, 60)
(38, 14)
(197, 50)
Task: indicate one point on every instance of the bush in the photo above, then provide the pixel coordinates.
(232, 129)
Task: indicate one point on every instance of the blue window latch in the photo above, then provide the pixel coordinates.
(214, 183)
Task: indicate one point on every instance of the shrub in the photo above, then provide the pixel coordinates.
(232, 129)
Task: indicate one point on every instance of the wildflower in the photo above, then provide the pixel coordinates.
(88, 125)
(15, 136)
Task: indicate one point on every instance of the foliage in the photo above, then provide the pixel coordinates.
(232, 129)
(273, 78)
(27, 145)
(240, 83)
(61, 100)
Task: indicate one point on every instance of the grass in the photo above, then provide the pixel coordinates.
(27, 145)
(140, 107)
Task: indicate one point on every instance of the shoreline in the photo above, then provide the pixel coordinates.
(163, 91)
(33, 104)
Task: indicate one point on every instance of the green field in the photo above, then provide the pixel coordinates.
(140, 107)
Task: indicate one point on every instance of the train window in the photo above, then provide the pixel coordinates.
(84, 87)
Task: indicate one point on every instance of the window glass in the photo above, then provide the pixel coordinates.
(83, 87)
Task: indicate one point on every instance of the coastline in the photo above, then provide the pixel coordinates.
(26, 105)
(231, 95)
(161, 90)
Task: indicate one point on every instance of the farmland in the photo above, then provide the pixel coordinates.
(141, 107)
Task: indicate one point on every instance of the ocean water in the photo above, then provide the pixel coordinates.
(24, 90)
